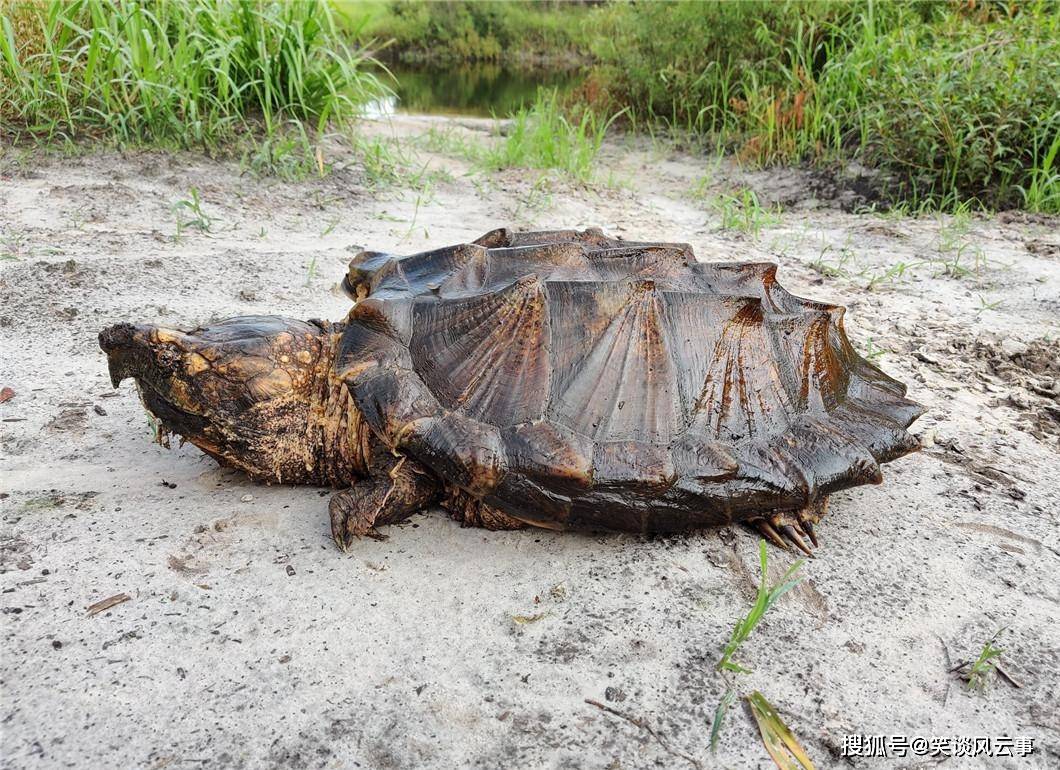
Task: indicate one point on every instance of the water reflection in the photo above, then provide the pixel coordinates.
(480, 89)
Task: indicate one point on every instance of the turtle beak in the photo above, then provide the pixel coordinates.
(128, 353)
(126, 357)
(154, 357)
(134, 351)
(241, 389)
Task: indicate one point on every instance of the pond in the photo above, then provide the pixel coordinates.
(480, 89)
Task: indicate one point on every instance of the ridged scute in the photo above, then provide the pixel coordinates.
(575, 380)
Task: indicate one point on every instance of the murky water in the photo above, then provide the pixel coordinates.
(480, 89)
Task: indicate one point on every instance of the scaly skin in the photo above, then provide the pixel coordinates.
(254, 393)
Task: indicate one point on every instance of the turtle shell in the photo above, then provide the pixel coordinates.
(573, 380)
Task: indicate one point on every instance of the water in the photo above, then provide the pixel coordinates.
(479, 89)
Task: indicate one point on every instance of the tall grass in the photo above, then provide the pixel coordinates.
(184, 72)
(956, 102)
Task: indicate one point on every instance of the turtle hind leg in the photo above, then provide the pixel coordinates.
(383, 499)
(472, 512)
(793, 527)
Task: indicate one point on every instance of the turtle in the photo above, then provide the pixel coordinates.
(561, 379)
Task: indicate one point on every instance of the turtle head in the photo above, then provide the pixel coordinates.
(247, 391)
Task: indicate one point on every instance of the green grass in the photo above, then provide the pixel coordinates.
(836, 268)
(744, 213)
(387, 163)
(719, 717)
(980, 670)
(959, 255)
(542, 136)
(963, 110)
(190, 213)
(189, 73)
(956, 103)
(764, 600)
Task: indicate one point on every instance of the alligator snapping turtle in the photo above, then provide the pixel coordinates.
(558, 379)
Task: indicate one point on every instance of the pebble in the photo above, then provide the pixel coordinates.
(926, 357)
(246, 498)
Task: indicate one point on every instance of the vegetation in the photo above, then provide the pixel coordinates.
(195, 72)
(541, 136)
(782, 746)
(982, 667)
(963, 109)
(538, 136)
(953, 102)
(472, 30)
(743, 212)
(765, 598)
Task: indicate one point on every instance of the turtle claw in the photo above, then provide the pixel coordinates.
(770, 534)
(807, 525)
(342, 540)
(791, 534)
(793, 528)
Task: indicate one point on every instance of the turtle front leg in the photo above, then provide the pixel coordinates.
(793, 527)
(382, 499)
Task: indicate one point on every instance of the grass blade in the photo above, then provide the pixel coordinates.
(778, 739)
(765, 599)
(719, 717)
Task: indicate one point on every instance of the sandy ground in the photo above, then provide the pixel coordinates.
(248, 640)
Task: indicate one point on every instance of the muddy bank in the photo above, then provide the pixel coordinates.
(248, 640)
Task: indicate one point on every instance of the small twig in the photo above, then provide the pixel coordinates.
(106, 604)
(1006, 675)
(637, 722)
(945, 649)
(949, 661)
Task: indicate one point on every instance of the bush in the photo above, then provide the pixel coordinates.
(957, 102)
(471, 30)
(963, 109)
(690, 62)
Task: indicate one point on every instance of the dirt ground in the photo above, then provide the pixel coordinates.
(248, 640)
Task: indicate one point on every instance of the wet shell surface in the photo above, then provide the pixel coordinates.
(573, 380)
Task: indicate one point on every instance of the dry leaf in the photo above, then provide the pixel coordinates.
(523, 620)
(776, 736)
